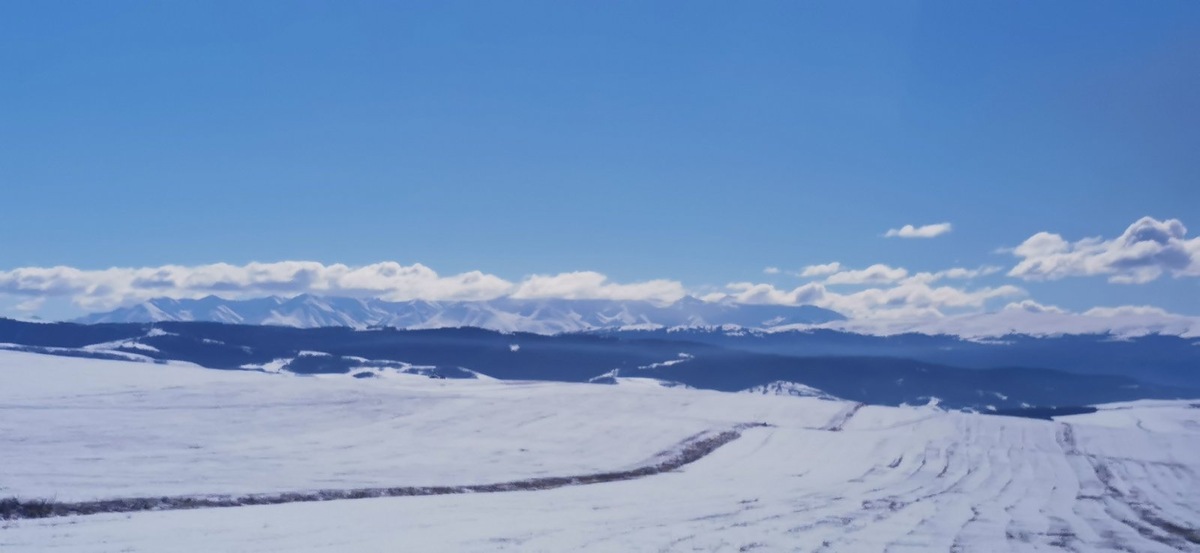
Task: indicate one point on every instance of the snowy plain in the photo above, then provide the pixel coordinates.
(824, 476)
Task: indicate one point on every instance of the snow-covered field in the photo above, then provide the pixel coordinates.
(825, 476)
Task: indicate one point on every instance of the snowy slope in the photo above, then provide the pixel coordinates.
(785, 388)
(825, 476)
(81, 429)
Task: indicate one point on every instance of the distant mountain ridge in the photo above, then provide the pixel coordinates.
(542, 316)
(1056, 372)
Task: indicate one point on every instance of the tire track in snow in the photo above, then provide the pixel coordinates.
(1149, 524)
(689, 451)
(941, 472)
(839, 420)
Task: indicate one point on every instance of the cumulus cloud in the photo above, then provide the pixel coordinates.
(1030, 306)
(1146, 250)
(955, 273)
(771, 270)
(913, 298)
(907, 299)
(836, 273)
(878, 273)
(924, 231)
(821, 270)
(1028, 317)
(592, 285)
(1125, 311)
(881, 291)
(963, 273)
(893, 300)
(30, 305)
(876, 297)
(108, 288)
(749, 292)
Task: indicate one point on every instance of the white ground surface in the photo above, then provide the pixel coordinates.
(1123, 479)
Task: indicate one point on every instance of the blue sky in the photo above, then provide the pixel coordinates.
(693, 142)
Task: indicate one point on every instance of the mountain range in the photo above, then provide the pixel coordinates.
(542, 316)
(908, 369)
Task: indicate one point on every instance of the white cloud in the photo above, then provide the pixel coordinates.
(771, 270)
(907, 299)
(894, 300)
(748, 292)
(875, 274)
(924, 231)
(963, 273)
(889, 292)
(821, 270)
(30, 305)
(592, 285)
(1030, 318)
(886, 299)
(879, 273)
(1146, 250)
(1125, 311)
(918, 297)
(956, 273)
(1030, 306)
(108, 288)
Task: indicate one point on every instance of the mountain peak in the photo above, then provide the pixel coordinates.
(543, 316)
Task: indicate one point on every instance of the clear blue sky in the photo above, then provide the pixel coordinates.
(695, 141)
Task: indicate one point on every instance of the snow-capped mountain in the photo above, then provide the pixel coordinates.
(543, 316)
(785, 388)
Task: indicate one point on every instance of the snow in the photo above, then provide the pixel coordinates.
(1149, 415)
(682, 359)
(126, 344)
(275, 366)
(70, 425)
(640, 326)
(786, 388)
(825, 476)
(650, 382)
(51, 349)
(605, 376)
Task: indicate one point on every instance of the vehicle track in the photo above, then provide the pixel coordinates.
(839, 420)
(1119, 501)
(689, 451)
